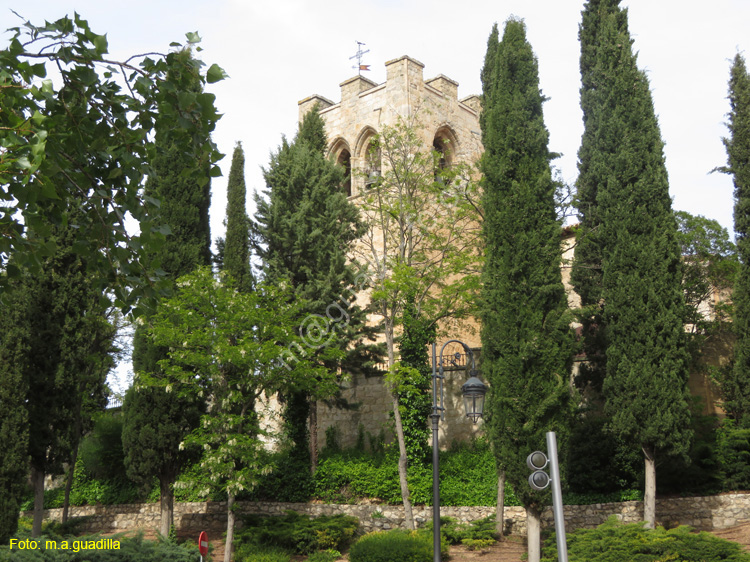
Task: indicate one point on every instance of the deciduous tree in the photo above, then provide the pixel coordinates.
(419, 248)
(86, 136)
(230, 345)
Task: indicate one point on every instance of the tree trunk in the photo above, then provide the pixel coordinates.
(403, 463)
(313, 436)
(649, 496)
(37, 482)
(230, 529)
(533, 537)
(403, 460)
(500, 511)
(166, 506)
(69, 484)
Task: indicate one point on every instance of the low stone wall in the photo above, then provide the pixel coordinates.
(703, 513)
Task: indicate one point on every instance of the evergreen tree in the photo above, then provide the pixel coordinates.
(737, 388)
(635, 270)
(14, 421)
(597, 63)
(526, 338)
(235, 248)
(58, 355)
(304, 228)
(156, 421)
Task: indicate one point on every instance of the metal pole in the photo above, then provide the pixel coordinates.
(435, 464)
(557, 503)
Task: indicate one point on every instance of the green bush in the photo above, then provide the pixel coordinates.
(101, 452)
(734, 456)
(457, 533)
(299, 533)
(468, 477)
(614, 542)
(395, 546)
(329, 555)
(253, 553)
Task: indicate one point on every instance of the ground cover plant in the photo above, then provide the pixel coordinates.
(397, 545)
(614, 542)
(298, 534)
(475, 535)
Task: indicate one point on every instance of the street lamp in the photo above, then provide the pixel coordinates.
(473, 391)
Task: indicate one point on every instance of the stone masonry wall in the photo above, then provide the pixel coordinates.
(703, 513)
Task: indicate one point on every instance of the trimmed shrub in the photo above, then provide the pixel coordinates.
(614, 542)
(395, 546)
(458, 533)
(299, 533)
(329, 555)
(254, 553)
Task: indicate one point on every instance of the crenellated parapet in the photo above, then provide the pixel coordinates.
(447, 124)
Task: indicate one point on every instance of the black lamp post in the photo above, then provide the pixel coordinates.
(473, 391)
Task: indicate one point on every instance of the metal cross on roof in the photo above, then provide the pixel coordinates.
(360, 67)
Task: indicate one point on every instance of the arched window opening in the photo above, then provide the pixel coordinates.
(372, 163)
(442, 149)
(345, 159)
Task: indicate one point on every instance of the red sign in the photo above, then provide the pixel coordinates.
(203, 543)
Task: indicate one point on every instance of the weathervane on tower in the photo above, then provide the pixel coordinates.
(359, 66)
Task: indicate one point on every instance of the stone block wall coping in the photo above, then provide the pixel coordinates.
(702, 513)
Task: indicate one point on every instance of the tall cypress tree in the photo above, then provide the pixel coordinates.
(14, 421)
(526, 337)
(303, 230)
(55, 344)
(597, 64)
(235, 248)
(737, 388)
(157, 421)
(625, 189)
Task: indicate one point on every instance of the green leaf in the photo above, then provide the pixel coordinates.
(215, 74)
(193, 37)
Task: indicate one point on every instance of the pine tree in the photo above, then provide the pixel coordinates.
(624, 198)
(155, 421)
(304, 228)
(737, 388)
(235, 258)
(526, 338)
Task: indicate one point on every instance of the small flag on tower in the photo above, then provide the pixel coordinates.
(360, 67)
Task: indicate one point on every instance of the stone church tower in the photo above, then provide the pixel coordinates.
(446, 124)
(450, 125)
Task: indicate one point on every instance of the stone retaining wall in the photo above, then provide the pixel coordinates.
(702, 513)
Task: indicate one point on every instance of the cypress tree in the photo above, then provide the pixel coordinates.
(236, 246)
(737, 388)
(14, 421)
(303, 230)
(157, 421)
(625, 203)
(56, 355)
(597, 63)
(526, 338)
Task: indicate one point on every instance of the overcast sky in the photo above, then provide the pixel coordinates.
(279, 52)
